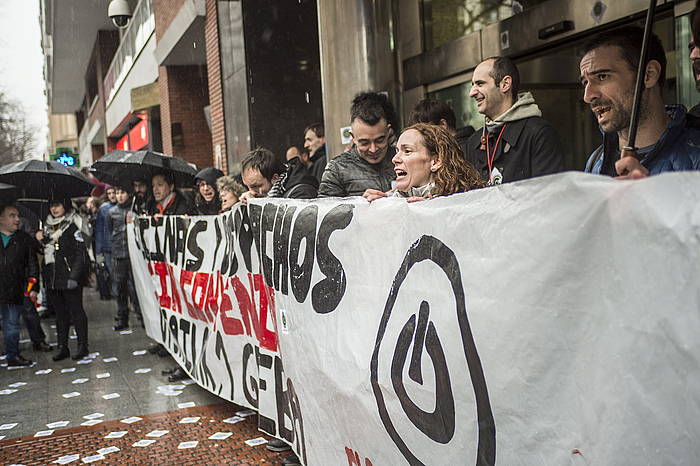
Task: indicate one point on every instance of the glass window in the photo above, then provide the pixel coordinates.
(447, 20)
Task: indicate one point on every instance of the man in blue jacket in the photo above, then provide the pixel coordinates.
(608, 75)
(103, 237)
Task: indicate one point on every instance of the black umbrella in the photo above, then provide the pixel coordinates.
(46, 180)
(9, 193)
(121, 167)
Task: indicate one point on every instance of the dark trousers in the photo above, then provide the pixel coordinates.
(69, 309)
(33, 322)
(123, 288)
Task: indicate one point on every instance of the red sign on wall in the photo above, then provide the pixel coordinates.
(138, 135)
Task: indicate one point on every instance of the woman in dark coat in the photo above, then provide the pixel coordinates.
(65, 274)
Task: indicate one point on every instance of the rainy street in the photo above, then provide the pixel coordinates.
(113, 400)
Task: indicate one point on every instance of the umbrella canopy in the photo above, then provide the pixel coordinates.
(121, 167)
(46, 180)
(9, 193)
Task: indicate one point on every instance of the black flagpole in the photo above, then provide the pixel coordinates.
(630, 149)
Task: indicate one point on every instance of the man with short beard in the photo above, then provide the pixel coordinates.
(608, 74)
(142, 195)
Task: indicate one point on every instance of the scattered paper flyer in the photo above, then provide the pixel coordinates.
(189, 420)
(245, 413)
(71, 394)
(220, 436)
(8, 426)
(67, 459)
(57, 424)
(131, 420)
(93, 458)
(93, 355)
(110, 396)
(93, 416)
(126, 332)
(112, 359)
(3, 357)
(190, 444)
(17, 384)
(169, 393)
(118, 434)
(43, 433)
(67, 369)
(145, 370)
(139, 352)
(157, 433)
(189, 404)
(255, 441)
(143, 443)
(25, 340)
(19, 367)
(103, 375)
(107, 450)
(91, 422)
(43, 372)
(84, 361)
(73, 337)
(188, 382)
(234, 419)
(170, 387)
(8, 391)
(2, 437)
(79, 381)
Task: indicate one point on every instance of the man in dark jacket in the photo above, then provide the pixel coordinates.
(265, 176)
(515, 143)
(103, 238)
(608, 74)
(315, 143)
(123, 279)
(18, 269)
(437, 112)
(166, 199)
(368, 164)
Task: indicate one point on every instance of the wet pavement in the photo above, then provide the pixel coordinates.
(55, 410)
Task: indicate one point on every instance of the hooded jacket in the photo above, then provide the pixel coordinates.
(528, 145)
(17, 264)
(677, 149)
(351, 175)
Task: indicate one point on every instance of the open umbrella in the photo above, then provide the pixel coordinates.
(121, 167)
(9, 193)
(40, 179)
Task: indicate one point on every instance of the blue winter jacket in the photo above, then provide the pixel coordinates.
(103, 237)
(678, 149)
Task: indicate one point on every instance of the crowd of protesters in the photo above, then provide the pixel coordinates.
(429, 158)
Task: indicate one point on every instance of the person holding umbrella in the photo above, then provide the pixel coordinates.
(665, 142)
(166, 199)
(65, 274)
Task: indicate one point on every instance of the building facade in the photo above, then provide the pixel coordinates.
(208, 80)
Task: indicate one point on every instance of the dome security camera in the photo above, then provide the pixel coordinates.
(120, 13)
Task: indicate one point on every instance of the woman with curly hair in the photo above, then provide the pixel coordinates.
(429, 163)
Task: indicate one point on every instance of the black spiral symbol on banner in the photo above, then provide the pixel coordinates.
(439, 425)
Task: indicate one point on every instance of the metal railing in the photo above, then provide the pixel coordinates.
(139, 31)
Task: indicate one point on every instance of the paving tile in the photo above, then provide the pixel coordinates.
(40, 402)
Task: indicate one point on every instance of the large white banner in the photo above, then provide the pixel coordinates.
(550, 321)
